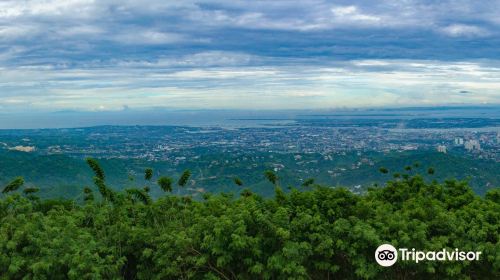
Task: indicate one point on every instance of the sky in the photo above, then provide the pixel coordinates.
(109, 55)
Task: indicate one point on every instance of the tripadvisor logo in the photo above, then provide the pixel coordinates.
(387, 255)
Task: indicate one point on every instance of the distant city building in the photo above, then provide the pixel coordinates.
(441, 149)
(409, 147)
(459, 141)
(471, 145)
(26, 149)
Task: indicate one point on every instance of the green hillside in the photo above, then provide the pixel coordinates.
(482, 175)
(65, 176)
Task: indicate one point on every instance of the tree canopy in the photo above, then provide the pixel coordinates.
(321, 233)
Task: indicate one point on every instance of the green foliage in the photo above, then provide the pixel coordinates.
(140, 195)
(184, 178)
(30, 193)
(271, 177)
(431, 171)
(238, 181)
(105, 192)
(99, 180)
(165, 184)
(13, 185)
(309, 182)
(88, 194)
(31, 190)
(63, 175)
(246, 193)
(96, 168)
(383, 170)
(148, 174)
(493, 195)
(322, 233)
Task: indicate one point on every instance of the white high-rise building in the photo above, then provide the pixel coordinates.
(471, 145)
(441, 149)
(459, 141)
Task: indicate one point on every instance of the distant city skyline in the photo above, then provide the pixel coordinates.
(113, 55)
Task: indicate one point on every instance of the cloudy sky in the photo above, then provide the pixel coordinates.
(115, 54)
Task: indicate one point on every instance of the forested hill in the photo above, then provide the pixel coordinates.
(321, 233)
(60, 175)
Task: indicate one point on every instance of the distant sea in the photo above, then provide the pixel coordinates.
(229, 118)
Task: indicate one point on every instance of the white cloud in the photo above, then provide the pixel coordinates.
(148, 37)
(74, 52)
(197, 60)
(464, 30)
(81, 30)
(10, 53)
(351, 13)
(225, 73)
(10, 32)
(74, 8)
(349, 83)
